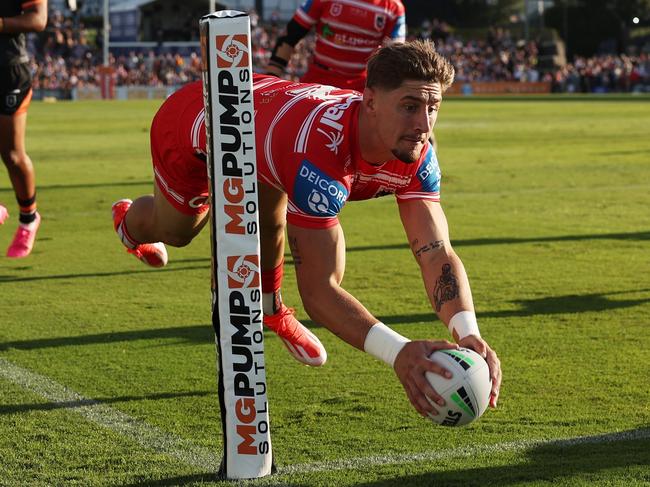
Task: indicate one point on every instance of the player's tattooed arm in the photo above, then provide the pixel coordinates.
(295, 253)
(420, 249)
(446, 288)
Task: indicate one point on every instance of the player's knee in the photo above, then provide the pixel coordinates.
(309, 296)
(14, 158)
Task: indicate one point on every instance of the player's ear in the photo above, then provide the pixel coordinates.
(369, 99)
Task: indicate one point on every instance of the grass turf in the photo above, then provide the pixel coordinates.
(548, 208)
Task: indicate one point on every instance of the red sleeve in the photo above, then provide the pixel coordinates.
(309, 12)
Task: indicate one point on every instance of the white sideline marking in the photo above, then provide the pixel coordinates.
(461, 452)
(134, 429)
(154, 439)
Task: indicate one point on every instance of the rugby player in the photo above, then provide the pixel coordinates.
(347, 33)
(18, 17)
(317, 148)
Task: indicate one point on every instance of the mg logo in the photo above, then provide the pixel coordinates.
(232, 51)
(243, 271)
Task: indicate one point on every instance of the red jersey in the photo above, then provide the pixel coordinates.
(307, 146)
(349, 31)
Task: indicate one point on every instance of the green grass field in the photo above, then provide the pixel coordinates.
(108, 369)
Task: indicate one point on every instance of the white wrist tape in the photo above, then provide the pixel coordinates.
(384, 343)
(464, 323)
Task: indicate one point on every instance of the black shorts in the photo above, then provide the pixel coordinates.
(15, 87)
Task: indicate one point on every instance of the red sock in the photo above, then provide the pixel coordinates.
(125, 236)
(271, 284)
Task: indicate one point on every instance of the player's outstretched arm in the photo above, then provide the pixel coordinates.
(319, 260)
(445, 280)
(33, 19)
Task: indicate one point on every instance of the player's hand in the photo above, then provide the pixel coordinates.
(410, 366)
(481, 347)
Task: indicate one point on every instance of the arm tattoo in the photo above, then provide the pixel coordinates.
(446, 287)
(293, 245)
(437, 244)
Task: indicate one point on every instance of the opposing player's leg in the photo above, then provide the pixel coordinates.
(301, 343)
(21, 173)
(151, 221)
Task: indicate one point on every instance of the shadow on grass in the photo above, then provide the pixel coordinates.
(193, 334)
(457, 243)
(54, 277)
(556, 462)
(472, 242)
(573, 303)
(96, 185)
(20, 408)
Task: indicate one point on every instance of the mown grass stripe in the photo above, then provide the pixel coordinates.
(132, 428)
(154, 439)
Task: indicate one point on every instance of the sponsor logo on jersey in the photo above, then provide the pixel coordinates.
(232, 51)
(327, 31)
(429, 173)
(335, 139)
(316, 193)
(243, 271)
(330, 126)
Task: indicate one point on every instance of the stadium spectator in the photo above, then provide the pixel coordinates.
(65, 60)
(380, 148)
(346, 35)
(16, 18)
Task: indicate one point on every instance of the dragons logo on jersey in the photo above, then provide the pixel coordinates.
(316, 193)
(232, 51)
(336, 9)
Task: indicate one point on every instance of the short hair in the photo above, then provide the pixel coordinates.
(390, 65)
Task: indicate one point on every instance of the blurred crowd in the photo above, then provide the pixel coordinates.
(65, 57)
(604, 74)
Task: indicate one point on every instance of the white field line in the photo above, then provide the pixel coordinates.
(461, 452)
(154, 439)
(94, 411)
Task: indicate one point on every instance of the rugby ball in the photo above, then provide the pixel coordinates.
(467, 393)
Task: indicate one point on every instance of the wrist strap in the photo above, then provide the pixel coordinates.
(384, 343)
(463, 324)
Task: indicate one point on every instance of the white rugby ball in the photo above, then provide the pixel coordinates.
(467, 393)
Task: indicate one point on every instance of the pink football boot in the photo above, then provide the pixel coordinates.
(24, 239)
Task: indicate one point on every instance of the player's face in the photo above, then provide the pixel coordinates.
(405, 117)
